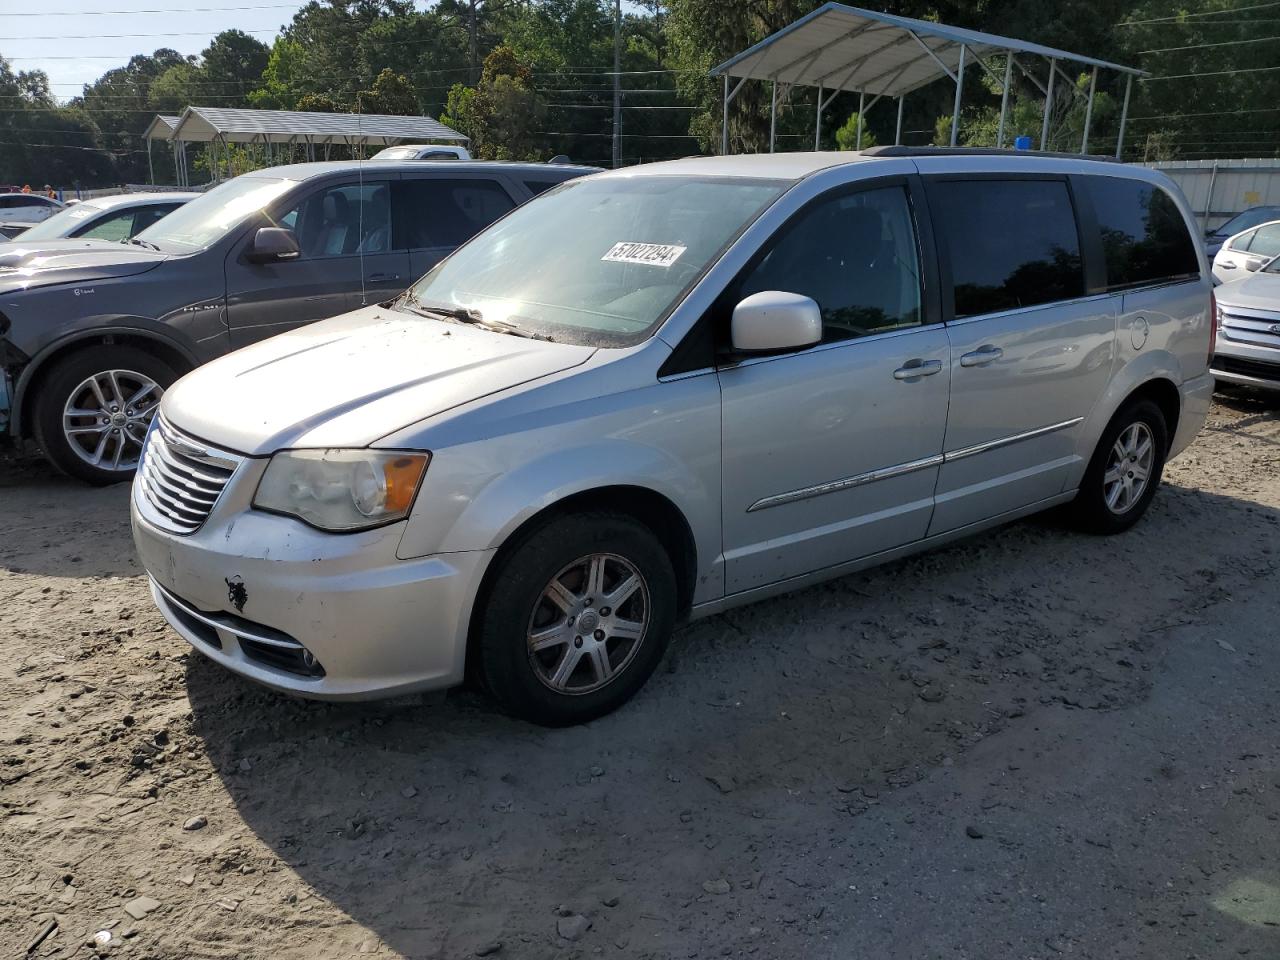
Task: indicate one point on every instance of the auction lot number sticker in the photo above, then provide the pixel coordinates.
(653, 254)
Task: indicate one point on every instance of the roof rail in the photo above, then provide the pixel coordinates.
(890, 151)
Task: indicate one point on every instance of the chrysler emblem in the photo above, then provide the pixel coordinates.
(1275, 328)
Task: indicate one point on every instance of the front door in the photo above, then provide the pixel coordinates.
(831, 453)
(1030, 352)
(344, 235)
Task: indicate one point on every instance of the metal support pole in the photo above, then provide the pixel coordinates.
(817, 122)
(1208, 203)
(724, 123)
(955, 113)
(617, 83)
(773, 114)
(1048, 106)
(897, 136)
(1004, 98)
(1088, 111)
(862, 106)
(151, 166)
(1124, 115)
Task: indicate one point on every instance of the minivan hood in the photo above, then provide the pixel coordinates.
(71, 261)
(1257, 291)
(348, 381)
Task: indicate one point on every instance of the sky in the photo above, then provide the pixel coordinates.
(88, 37)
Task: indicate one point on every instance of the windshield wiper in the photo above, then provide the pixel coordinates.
(141, 243)
(471, 316)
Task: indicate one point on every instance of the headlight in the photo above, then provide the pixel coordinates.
(342, 490)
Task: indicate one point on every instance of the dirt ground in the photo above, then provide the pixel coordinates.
(1031, 744)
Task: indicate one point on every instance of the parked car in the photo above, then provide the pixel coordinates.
(92, 332)
(1247, 352)
(664, 391)
(117, 217)
(27, 207)
(1215, 238)
(423, 151)
(1246, 252)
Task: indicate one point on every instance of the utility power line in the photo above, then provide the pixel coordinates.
(103, 13)
(1216, 73)
(1203, 46)
(1206, 13)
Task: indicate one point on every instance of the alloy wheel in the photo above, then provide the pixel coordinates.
(1128, 467)
(105, 419)
(588, 623)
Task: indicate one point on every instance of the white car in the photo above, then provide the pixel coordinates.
(423, 151)
(27, 207)
(1247, 252)
(117, 217)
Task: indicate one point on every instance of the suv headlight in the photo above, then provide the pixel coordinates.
(342, 490)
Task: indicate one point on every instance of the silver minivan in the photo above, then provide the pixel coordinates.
(659, 392)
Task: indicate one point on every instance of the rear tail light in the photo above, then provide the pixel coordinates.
(1214, 320)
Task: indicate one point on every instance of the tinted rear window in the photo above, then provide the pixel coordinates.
(446, 213)
(1144, 237)
(1010, 243)
(538, 186)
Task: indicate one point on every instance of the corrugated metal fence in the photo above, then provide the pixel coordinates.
(1219, 189)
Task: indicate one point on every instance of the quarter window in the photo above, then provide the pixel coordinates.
(1241, 242)
(1144, 238)
(116, 227)
(856, 256)
(1010, 243)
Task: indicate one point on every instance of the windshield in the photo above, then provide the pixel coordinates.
(61, 224)
(195, 225)
(1250, 218)
(596, 261)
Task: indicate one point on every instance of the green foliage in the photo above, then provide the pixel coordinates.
(847, 135)
(501, 113)
(391, 93)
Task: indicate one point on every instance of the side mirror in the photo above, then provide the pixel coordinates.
(773, 320)
(1253, 266)
(272, 244)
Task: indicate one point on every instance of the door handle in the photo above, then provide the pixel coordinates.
(917, 368)
(1227, 265)
(383, 277)
(981, 357)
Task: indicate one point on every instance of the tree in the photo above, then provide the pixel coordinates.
(501, 113)
(232, 65)
(282, 77)
(391, 93)
(847, 135)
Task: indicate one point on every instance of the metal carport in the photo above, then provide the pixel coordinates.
(840, 48)
(219, 125)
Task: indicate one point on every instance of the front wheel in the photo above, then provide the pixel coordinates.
(93, 410)
(1125, 470)
(577, 618)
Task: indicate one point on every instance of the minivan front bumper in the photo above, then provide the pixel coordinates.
(319, 615)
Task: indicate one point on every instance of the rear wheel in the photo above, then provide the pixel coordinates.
(1125, 470)
(577, 618)
(94, 408)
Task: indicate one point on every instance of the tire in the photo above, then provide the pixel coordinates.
(71, 442)
(1103, 507)
(545, 686)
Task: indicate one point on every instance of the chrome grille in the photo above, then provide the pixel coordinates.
(182, 478)
(1255, 328)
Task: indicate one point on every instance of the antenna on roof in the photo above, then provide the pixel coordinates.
(364, 294)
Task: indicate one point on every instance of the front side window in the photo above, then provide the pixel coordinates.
(856, 256)
(117, 227)
(445, 213)
(1144, 238)
(599, 261)
(343, 220)
(1010, 243)
(62, 223)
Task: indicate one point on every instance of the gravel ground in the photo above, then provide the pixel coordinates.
(1031, 744)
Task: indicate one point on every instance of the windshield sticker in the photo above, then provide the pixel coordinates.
(652, 254)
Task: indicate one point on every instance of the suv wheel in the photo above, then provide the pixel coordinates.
(94, 408)
(577, 619)
(1125, 470)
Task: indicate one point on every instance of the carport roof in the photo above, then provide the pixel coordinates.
(838, 47)
(161, 128)
(203, 124)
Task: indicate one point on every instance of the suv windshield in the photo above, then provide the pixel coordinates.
(199, 223)
(61, 223)
(596, 261)
(1250, 218)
